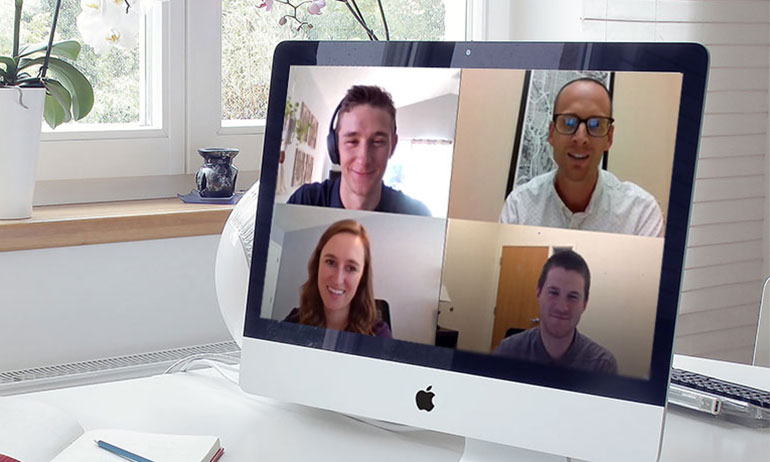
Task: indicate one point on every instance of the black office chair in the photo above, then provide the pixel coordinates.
(383, 311)
(513, 331)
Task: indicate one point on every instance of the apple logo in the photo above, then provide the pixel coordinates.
(424, 399)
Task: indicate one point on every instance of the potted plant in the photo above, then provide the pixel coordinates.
(36, 82)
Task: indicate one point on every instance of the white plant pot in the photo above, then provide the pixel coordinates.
(19, 147)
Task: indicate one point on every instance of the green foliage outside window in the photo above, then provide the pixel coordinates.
(250, 34)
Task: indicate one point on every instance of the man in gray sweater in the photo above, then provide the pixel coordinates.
(562, 295)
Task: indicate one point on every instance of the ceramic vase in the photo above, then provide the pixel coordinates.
(21, 115)
(217, 175)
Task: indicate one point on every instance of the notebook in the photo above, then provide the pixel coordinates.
(31, 431)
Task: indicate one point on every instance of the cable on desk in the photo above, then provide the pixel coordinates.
(216, 361)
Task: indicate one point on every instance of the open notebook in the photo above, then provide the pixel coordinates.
(36, 432)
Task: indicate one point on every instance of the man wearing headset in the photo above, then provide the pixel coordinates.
(578, 194)
(362, 143)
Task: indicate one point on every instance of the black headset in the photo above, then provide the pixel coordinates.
(331, 138)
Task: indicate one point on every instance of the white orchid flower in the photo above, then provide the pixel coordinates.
(112, 23)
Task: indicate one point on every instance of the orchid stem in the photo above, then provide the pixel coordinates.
(384, 21)
(44, 69)
(360, 20)
(17, 27)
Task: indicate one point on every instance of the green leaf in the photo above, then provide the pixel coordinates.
(26, 62)
(10, 65)
(69, 49)
(53, 113)
(61, 95)
(75, 82)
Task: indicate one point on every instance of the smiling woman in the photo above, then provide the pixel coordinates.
(338, 293)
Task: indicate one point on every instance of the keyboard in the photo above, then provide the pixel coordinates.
(719, 397)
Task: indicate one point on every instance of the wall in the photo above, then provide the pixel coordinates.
(727, 255)
(486, 125)
(623, 299)
(434, 118)
(646, 109)
(86, 302)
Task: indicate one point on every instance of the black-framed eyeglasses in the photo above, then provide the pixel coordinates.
(597, 126)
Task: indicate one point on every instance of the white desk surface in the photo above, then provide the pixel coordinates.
(252, 428)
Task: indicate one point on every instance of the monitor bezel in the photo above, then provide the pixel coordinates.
(689, 59)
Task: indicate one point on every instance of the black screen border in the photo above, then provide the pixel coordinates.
(689, 59)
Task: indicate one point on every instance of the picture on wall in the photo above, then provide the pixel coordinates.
(308, 171)
(298, 176)
(303, 128)
(313, 135)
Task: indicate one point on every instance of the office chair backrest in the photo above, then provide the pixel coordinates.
(513, 331)
(762, 343)
(383, 308)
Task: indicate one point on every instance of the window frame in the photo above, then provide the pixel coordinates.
(68, 169)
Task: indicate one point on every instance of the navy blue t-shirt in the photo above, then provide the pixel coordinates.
(327, 194)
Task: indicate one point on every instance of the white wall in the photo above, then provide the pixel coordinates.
(434, 118)
(79, 303)
(728, 242)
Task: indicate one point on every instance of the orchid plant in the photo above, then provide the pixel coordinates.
(295, 13)
(69, 95)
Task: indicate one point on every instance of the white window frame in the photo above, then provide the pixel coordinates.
(204, 91)
(114, 162)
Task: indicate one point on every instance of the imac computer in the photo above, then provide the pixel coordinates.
(483, 239)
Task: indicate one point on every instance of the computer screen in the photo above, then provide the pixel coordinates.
(470, 237)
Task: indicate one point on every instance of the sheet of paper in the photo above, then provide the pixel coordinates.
(154, 446)
(31, 431)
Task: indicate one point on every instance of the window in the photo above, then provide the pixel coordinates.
(120, 85)
(157, 105)
(250, 34)
(421, 168)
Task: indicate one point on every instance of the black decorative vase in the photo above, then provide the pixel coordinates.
(217, 175)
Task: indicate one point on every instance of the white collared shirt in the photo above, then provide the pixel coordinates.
(615, 207)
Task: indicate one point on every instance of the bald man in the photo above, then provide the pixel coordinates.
(578, 194)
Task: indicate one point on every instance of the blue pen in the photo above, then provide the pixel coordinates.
(121, 452)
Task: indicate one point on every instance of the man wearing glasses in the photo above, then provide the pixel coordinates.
(578, 194)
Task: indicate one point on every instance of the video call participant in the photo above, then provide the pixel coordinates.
(338, 293)
(362, 143)
(562, 296)
(578, 194)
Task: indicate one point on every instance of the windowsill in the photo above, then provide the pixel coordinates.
(107, 222)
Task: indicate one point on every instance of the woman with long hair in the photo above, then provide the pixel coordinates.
(338, 293)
